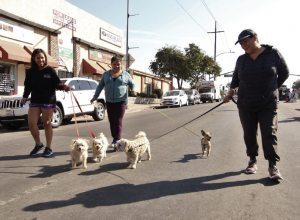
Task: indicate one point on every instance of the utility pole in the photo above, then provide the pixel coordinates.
(127, 55)
(127, 31)
(215, 32)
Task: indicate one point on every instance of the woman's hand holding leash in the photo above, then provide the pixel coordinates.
(23, 101)
(93, 99)
(229, 95)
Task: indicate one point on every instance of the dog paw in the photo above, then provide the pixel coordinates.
(133, 167)
(139, 161)
(95, 160)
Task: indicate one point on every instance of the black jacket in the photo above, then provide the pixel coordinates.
(258, 80)
(41, 84)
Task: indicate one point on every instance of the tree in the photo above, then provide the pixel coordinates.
(200, 64)
(170, 62)
(195, 59)
(296, 84)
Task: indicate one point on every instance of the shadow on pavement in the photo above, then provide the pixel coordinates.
(129, 193)
(187, 157)
(290, 120)
(48, 171)
(23, 157)
(106, 168)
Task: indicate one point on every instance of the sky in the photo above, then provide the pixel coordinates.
(165, 22)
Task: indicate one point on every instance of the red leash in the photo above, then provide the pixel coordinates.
(71, 93)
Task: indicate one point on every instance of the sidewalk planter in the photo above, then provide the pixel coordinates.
(134, 100)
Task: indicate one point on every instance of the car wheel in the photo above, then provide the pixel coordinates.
(57, 117)
(12, 125)
(99, 112)
(203, 101)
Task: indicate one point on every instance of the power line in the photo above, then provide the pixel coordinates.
(205, 5)
(190, 16)
(194, 20)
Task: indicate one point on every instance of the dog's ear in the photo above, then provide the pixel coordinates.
(203, 132)
(73, 141)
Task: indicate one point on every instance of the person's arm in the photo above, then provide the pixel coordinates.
(130, 83)
(99, 89)
(234, 83)
(27, 87)
(56, 81)
(282, 68)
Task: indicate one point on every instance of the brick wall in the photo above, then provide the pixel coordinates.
(53, 46)
(77, 61)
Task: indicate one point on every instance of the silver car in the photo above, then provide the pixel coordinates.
(193, 96)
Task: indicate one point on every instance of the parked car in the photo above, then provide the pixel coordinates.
(174, 98)
(13, 114)
(193, 96)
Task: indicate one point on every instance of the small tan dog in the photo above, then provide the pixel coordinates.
(99, 147)
(79, 152)
(205, 142)
(134, 149)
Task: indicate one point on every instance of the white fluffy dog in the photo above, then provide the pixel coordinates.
(99, 147)
(134, 149)
(79, 152)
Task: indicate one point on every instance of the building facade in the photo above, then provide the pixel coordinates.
(77, 43)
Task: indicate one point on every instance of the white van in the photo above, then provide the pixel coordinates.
(209, 91)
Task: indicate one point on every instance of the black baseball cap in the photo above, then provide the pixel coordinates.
(246, 33)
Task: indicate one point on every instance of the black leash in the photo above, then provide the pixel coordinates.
(188, 122)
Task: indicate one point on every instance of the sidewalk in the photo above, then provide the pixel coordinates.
(131, 108)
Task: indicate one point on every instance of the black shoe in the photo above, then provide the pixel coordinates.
(47, 152)
(36, 149)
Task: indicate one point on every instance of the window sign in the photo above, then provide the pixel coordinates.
(14, 30)
(7, 79)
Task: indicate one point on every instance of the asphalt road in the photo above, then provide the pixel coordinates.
(178, 183)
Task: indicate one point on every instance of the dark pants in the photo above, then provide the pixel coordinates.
(115, 112)
(268, 122)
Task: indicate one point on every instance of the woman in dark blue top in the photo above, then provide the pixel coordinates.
(258, 75)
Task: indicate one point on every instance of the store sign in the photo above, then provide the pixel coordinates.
(14, 30)
(99, 55)
(65, 51)
(64, 20)
(65, 46)
(205, 84)
(110, 37)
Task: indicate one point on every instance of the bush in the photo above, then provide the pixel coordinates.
(158, 92)
(142, 94)
(153, 95)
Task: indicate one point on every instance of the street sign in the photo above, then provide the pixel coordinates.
(227, 75)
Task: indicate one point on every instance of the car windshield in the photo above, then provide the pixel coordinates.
(204, 90)
(171, 93)
(189, 92)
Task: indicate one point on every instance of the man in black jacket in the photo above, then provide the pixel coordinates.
(258, 74)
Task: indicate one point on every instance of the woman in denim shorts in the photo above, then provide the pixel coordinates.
(41, 81)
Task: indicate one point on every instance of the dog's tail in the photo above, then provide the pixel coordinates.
(101, 135)
(140, 134)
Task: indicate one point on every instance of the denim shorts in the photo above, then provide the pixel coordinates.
(43, 106)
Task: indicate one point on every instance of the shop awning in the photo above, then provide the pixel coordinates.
(104, 66)
(50, 60)
(13, 51)
(90, 66)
